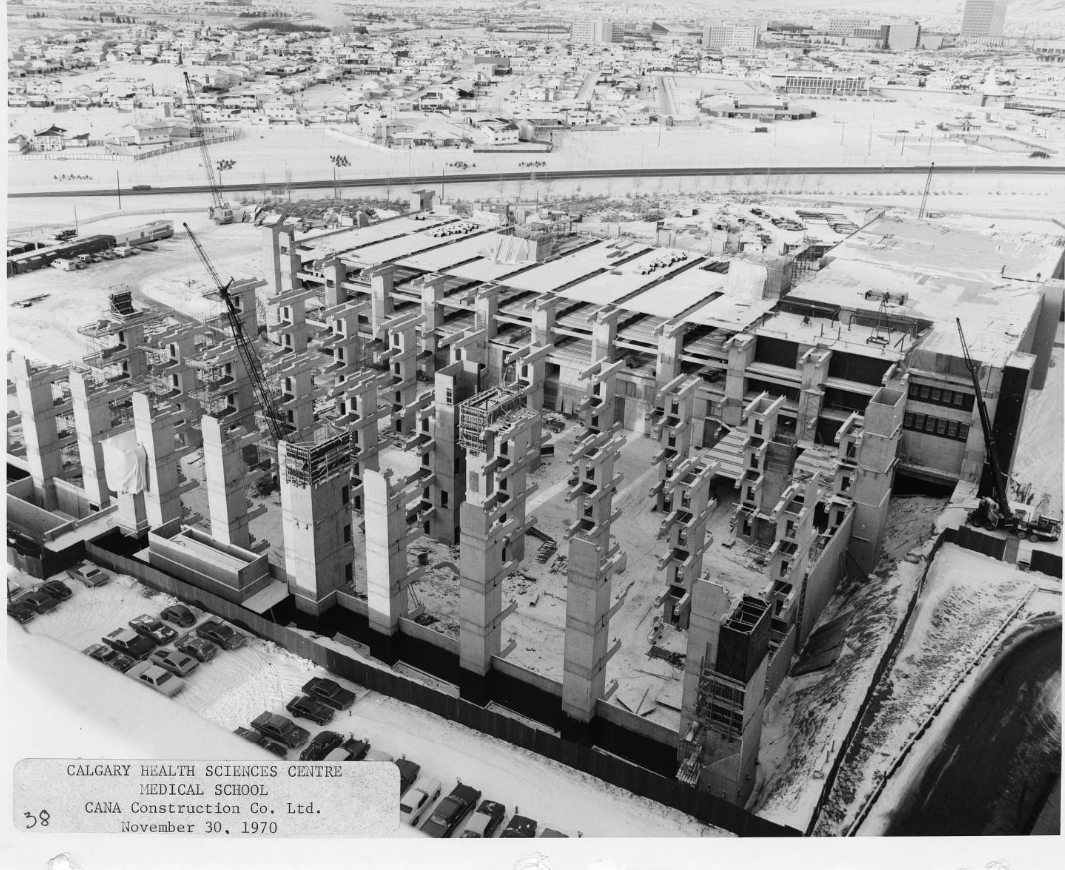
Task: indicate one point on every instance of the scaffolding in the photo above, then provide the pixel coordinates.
(311, 464)
(498, 408)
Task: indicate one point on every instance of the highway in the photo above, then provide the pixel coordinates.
(462, 177)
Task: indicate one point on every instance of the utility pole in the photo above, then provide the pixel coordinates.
(118, 187)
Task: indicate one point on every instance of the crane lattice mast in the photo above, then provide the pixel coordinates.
(245, 348)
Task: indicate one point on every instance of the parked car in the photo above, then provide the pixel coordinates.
(551, 832)
(259, 740)
(38, 601)
(306, 707)
(90, 575)
(518, 827)
(127, 641)
(281, 729)
(408, 772)
(179, 664)
(485, 820)
(19, 612)
(197, 647)
(57, 589)
(158, 678)
(378, 755)
(356, 749)
(155, 629)
(450, 812)
(221, 634)
(330, 692)
(110, 657)
(323, 743)
(416, 801)
(180, 615)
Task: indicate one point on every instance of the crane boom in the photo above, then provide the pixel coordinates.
(248, 356)
(998, 479)
(220, 211)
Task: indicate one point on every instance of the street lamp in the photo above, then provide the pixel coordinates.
(338, 160)
(222, 166)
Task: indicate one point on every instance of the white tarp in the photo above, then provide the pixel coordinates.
(124, 463)
(746, 280)
(509, 249)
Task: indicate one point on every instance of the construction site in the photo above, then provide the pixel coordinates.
(604, 486)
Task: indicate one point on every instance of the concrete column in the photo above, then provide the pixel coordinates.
(387, 574)
(453, 385)
(227, 479)
(295, 376)
(670, 346)
(155, 434)
(381, 303)
(877, 459)
(401, 357)
(92, 421)
(316, 520)
(592, 560)
(38, 409)
(740, 355)
(432, 290)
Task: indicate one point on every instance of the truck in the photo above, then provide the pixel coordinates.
(451, 811)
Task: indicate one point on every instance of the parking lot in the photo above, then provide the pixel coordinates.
(237, 685)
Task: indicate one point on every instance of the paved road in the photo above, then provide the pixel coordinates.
(1001, 759)
(562, 174)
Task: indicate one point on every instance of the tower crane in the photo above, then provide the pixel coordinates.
(278, 430)
(220, 210)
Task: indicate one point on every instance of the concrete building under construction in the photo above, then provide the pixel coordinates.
(419, 366)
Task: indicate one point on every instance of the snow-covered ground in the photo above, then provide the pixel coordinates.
(809, 716)
(171, 277)
(967, 600)
(238, 685)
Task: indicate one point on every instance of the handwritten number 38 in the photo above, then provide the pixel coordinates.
(43, 816)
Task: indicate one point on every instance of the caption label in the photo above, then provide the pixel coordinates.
(206, 798)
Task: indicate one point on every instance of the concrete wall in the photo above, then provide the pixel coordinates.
(638, 724)
(189, 555)
(71, 499)
(824, 577)
(412, 629)
(780, 663)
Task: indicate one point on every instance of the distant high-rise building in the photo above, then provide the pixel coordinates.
(846, 26)
(721, 36)
(589, 30)
(902, 37)
(983, 18)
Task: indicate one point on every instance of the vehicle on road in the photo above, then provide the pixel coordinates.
(281, 729)
(306, 707)
(57, 589)
(158, 678)
(450, 812)
(38, 601)
(484, 822)
(179, 664)
(19, 612)
(519, 827)
(259, 740)
(90, 575)
(416, 801)
(197, 647)
(323, 743)
(180, 615)
(110, 657)
(329, 692)
(152, 628)
(408, 773)
(141, 187)
(221, 634)
(127, 641)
